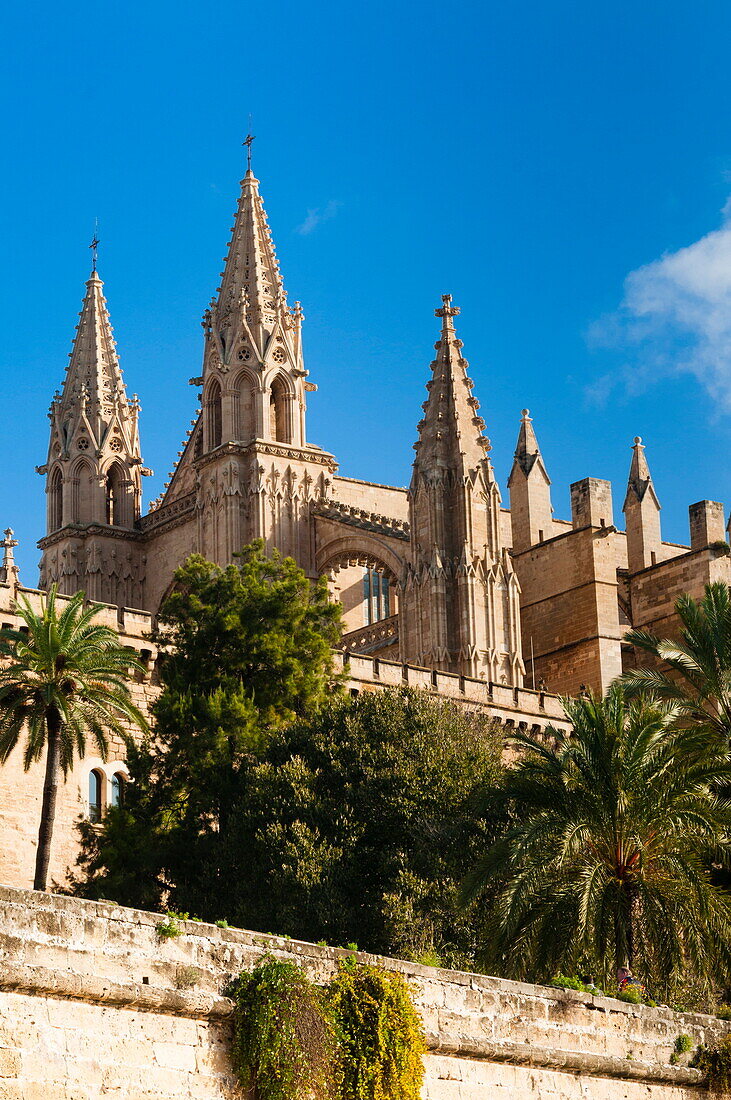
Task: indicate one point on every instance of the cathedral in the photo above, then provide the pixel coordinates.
(441, 576)
(443, 587)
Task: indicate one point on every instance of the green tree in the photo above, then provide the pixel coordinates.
(247, 649)
(603, 863)
(697, 672)
(63, 680)
(355, 825)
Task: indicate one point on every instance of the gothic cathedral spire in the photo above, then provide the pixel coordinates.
(256, 475)
(460, 595)
(94, 467)
(253, 372)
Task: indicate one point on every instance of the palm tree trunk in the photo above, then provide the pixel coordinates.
(50, 794)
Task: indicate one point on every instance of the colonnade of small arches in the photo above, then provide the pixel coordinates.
(246, 409)
(83, 496)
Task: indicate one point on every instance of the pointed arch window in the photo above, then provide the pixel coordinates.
(117, 498)
(279, 405)
(55, 501)
(246, 410)
(214, 416)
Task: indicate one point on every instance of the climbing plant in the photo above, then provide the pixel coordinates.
(381, 1042)
(284, 1042)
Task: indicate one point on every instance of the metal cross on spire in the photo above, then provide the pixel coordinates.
(250, 138)
(94, 246)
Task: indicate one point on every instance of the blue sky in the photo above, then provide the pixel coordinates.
(561, 169)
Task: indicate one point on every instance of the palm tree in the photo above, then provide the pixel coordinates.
(698, 679)
(602, 860)
(64, 678)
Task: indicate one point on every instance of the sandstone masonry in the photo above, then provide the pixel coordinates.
(91, 1005)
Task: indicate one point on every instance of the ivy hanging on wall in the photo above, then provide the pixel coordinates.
(381, 1046)
(284, 1041)
(358, 1039)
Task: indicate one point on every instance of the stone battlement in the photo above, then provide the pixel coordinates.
(93, 1002)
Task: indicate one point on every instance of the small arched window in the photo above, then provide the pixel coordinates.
(214, 415)
(116, 497)
(55, 501)
(246, 412)
(118, 784)
(96, 781)
(278, 412)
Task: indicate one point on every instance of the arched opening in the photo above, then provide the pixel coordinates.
(279, 427)
(245, 410)
(117, 498)
(83, 495)
(55, 501)
(118, 789)
(213, 406)
(96, 781)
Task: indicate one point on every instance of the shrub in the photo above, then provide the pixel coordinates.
(724, 1012)
(284, 1044)
(631, 996)
(683, 1044)
(170, 927)
(186, 977)
(561, 981)
(381, 1039)
(715, 1063)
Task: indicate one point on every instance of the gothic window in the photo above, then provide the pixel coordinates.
(278, 412)
(83, 495)
(246, 419)
(96, 781)
(376, 596)
(117, 513)
(214, 415)
(118, 783)
(55, 501)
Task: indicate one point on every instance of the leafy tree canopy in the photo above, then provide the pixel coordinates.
(355, 825)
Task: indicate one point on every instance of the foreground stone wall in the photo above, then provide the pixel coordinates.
(91, 1005)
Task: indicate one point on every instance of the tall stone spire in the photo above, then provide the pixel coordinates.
(250, 327)
(531, 514)
(94, 467)
(451, 431)
(460, 596)
(254, 472)
(642, 512)
(93, 409)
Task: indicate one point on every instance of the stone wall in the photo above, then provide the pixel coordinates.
(91, 1005)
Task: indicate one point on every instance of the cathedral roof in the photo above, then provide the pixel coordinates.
(451, 431)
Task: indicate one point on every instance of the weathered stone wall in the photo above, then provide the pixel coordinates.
(91, 1005)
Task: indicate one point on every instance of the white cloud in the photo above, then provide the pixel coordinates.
(675, 318)
(318, 215)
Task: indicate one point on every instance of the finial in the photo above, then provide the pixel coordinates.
(447, 310)
(638, 441)
(525, 414)
(94, 246)
(248, 142)
(9, 572)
